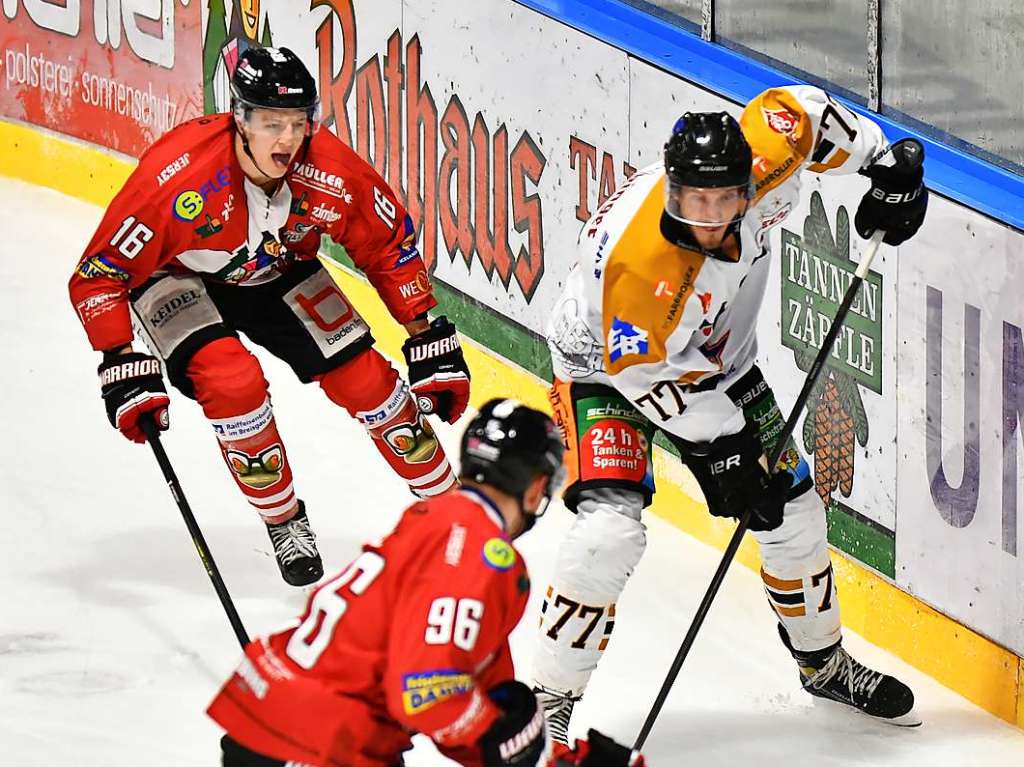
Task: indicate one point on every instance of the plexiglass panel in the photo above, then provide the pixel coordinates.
(825, 38)
(671, 10)
(959, 67)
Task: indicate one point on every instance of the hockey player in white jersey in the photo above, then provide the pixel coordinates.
(656, 330)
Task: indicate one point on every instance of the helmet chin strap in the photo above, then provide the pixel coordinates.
(529, 520)
(248, 151)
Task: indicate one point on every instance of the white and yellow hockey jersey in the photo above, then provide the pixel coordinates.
(656, 320)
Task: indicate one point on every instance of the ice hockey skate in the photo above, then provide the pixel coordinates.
(295, 549)
(557, 710)
(833, 674)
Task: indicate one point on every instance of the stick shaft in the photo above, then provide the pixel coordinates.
(198, 540)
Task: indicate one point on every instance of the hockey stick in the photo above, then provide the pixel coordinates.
(149, 428)
(911, 156)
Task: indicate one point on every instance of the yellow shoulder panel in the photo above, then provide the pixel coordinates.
(778, 130)
(646, 285)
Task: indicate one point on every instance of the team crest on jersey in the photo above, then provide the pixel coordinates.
(244, 266)
(713, 350)
(625, 339)
(428, 688)
(781, 120)
(499, 554)
(257, 471)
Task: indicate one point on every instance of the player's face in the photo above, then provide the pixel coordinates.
(275, 135)
(710, 210)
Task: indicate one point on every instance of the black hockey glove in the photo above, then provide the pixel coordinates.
(596, 751)
(438, 375)
(234, 754)
(518, 738)
(732, 476)
(897, 200)
(132, 386)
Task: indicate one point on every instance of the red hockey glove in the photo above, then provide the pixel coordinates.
(438, 375)
(132, 386)
(518, 738)
(596, 751)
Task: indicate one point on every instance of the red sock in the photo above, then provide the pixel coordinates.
(371, 391)
(230, 386)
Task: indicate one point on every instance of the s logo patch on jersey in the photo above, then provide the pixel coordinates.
(499, 554)
(625, 338)
(188, 205)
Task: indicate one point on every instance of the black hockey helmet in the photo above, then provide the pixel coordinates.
(273, 78)
(707, 150)
(507, 445)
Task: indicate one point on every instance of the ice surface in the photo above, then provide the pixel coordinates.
(112, 641)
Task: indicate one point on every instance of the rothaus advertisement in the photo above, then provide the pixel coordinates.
(480, 166)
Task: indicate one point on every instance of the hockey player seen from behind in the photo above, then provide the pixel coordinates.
(413, 635)
(655, 331)
(216, 233)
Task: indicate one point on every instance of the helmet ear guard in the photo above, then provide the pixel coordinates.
(508, 445)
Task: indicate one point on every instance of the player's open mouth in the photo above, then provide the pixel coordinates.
(281, 159)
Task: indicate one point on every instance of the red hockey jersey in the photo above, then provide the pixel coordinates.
(188, 207)
(407, 639)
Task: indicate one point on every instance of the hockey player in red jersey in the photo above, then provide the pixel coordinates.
(216, 232)
(413, 635)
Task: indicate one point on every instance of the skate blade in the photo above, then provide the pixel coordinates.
(907, 720)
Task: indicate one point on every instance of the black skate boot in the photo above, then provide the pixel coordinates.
(295, 549)
(557, 710)
(833, 674)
